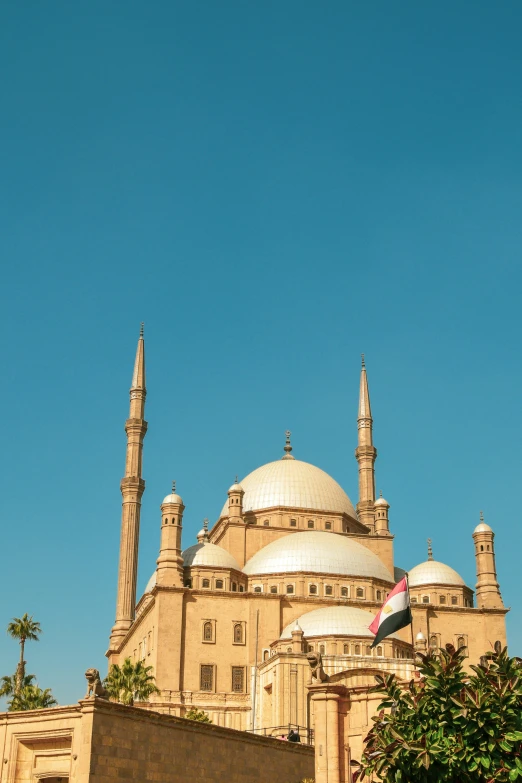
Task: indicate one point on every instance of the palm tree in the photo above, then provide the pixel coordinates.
(129, 682)
(24, 629)
(8, 684)
(31, 697)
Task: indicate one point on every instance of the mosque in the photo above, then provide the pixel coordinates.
(289, 568)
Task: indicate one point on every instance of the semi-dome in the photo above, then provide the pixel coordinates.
(292, 483)
(317, 551)
(207, 554)
(434, 573)
(334, 621)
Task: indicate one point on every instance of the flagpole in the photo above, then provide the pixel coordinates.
(411, 613)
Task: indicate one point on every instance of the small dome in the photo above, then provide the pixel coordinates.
(317, 552)
(150, 584)
(173, 498)
(207, 554)
(236, 487)
(291, 483)
(334, 621)
(483, 527)
(434, 573)
(420, 637)
(381, 502)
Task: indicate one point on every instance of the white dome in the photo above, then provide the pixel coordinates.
(483, 527)
(173, 498)
(293, 484)
(434, 573)
(207, 554)
(150, 584)
(317, 551)
(334, 621)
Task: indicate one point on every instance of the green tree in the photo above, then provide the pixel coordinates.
(8, 684)
(24, 629)
(31, 697)
(449, 726)
(199, 715)
(130, 682)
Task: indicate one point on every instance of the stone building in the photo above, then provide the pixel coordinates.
(290, 566)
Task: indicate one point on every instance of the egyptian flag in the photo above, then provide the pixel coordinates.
(395, 613)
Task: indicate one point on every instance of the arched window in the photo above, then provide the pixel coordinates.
(289, 649)
(434, 642)
(258, 589)
(207, 632)
(379, 595)
(310, 648)
(266, 654)
(289, 588)
(327, 525)
(322, 649)
(241, 589)
(205, 583)
(360, 592)
(219, 584)
(346, 649)
(368, 649)
(328, 590)
(312, 589)
(357, 649)
(273, 589)
(293, 523)
(442, 599)
(482, 547)
(234, 587)
(461, 642)
(487, 547)
(344, 592)
(413, 599)
(266, 522)
(310, 523)
(379, 651)
(238, 633)
(425, 599)
(454, 600)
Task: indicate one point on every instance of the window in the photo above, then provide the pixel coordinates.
(413, 599)
(293, 523)
(219, 584)
(238, 633)
(258, 589)
(425, 599)
(241, 589)
(266, 654)
(266, 522)
(322, 649)
(368, 649)
(442, 599)
(346, 649)
(273, 589)
(481, 547)
(310, 523)
(234, 587)
(289, 649)
(289, 588)
(360, 592)
(378, 595)
(357, 649)
(454, 600)
(188, 583)
(207, 632)
(327, 525)
(238, 679)
(344, 592)
(312, 589)
(205, 583)
(434, 642)
(461, 642)
(206, 678)
(379, 651)
(310, 648)
(328, 590)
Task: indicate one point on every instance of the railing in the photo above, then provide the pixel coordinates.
(279, 732)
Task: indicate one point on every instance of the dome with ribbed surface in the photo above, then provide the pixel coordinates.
(317, 552)
(207, 554)
(434, 573)
(291, 483)
(334, 621)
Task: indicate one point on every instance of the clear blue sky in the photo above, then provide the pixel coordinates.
(273, 188)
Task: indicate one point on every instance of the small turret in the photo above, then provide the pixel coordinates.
(235, 500)
(420, 643)
(170, 561)
(381, 516)
(202, 536)
(487, 587)
(297, 638)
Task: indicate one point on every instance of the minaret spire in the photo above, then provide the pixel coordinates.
(132, 487)
(365, 454)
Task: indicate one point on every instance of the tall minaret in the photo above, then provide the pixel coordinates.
(365, 454)
(488, 591)
(132, 487)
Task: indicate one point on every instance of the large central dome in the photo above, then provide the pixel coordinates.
(291, 483)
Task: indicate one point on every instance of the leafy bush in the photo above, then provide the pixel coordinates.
(200, 715)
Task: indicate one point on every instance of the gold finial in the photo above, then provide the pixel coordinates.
(205, 524)
(141, 329)
(362, 360)
(288, 446)
(482, 516)
(173, 487)
(430, 550)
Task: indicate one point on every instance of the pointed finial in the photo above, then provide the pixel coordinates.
(141, 329)
(205, 524)
(288, 447)
(362, 360)
(430, 550)
(482, 516)
(236, 479)
(173, 487)
(380, 493)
